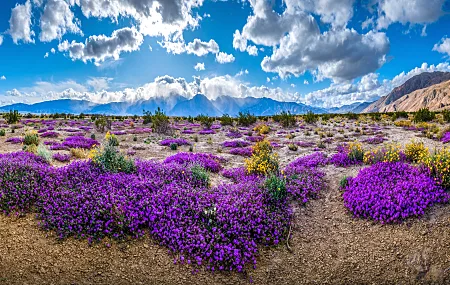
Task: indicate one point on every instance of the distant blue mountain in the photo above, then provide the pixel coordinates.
(55, 106)
(199, 104)
(356, 108)
(177, 105)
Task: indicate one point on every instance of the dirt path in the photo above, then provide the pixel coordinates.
(329, 247)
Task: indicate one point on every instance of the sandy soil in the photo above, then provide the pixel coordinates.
(329, 246)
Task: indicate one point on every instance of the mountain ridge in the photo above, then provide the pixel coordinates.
(417, 82)
(176, 105)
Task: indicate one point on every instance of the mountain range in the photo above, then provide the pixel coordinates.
(174, 106)
(424, 81)
(426, 90)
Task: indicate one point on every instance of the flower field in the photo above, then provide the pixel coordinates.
(217, 203)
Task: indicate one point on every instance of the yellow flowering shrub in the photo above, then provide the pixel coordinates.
(31, 138)
(414, 151)
(355, 151)
(403, 123)
(262, 129)
(263, 160)
(388, 153)
(79, 153)
(439, 165)
(111, 139)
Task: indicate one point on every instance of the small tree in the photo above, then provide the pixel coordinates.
(424, 115)
(161, 122)
(226, 120)
(12, 117)
(147, 117)
(206, 121)
(286, 119)
(246, 119)
(310, 117)
(100, 124)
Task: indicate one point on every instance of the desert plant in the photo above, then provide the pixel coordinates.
(286, 119)
(173, 146)
(293, 147)
(44, 152)
(12, 117)
(111, 159)
(310, 117)
(226, 120)
(276, 187)
(414, 151)
(199, 173)
(424, 115)
(446, 115)
(100, 124)
(30, 138)
(263, 160)
(79, 153)
(246, 119)
(2, 133)
(147, 117)
(262, 129)
(161, 122)
(111, 139)
(206, 121)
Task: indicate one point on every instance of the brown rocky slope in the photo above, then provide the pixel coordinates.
(417, 82)
(435, 98)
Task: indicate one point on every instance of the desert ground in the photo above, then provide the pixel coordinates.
(328, 245)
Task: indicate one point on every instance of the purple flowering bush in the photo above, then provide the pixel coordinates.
(313, 160)
(49, 134)
(236, 144)
(234, 134)
(61, 157)
(206, 132)
(255, 138)
(446, 138)
(304, 183)
(209, 162)
(390, 192)
(79, 142)
(246, 151)
(23, 176)
(15, 140)
(179, 142)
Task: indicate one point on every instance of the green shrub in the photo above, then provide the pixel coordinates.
(286, 119)
(100, 124)
(446, 115)
(276, 187)
(246, 119)
(206, 121)
(343, 183)
(424, 115)
(112, 160)
(226, 120)
(2, 133)
(44, 152)
(31, 138)
(310, 117)
(293, 147)
(12, 117)
(147, 117)
(173, 146)
(161, 122)
(200, 174)
(399, 114)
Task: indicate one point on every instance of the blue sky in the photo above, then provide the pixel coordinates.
(319, 52)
